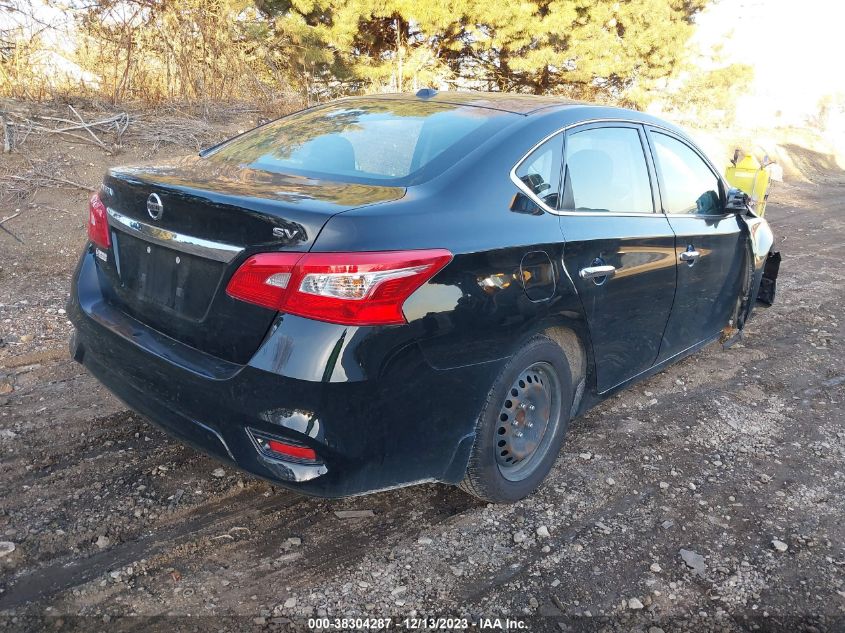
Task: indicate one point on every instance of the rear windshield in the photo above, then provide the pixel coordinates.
(389, 142)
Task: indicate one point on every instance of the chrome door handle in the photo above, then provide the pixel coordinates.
(593, 272)
(689, 256)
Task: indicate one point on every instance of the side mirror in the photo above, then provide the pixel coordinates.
(737, 202)
(523, 204)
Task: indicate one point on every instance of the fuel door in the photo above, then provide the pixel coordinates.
(537, 276)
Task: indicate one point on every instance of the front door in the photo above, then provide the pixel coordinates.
(708, 246)
(618, 251)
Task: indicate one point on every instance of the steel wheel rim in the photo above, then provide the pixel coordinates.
(528, 419)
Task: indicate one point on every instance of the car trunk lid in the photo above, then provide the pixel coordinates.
(180, 230)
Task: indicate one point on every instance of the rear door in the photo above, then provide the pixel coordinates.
(708, 247)
(618, 251)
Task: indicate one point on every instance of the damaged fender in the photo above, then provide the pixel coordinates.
(761, 239)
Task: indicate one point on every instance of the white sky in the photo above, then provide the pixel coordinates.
(797, 47)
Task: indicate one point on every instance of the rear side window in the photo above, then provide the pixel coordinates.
(392, 142)
(540, 171)
(606, 171)
(687, 184)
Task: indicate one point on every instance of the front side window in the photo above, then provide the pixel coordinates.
(540, 171)
(687, 184)
(606, 171)
(383, 141)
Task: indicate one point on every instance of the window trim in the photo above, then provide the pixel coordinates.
(648, 151)
(524, 188)
(704, 159)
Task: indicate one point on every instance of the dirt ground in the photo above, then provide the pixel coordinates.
(708, 498)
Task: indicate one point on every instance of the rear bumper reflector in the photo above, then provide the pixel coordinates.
(283, 449)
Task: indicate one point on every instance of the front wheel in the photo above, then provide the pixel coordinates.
(522, 424)
(732, 332)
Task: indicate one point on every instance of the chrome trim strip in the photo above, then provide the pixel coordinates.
(603, 214)
(218, 251)
(521, 185)
(699, 215)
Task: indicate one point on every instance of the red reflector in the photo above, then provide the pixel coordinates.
(98, 225)
(345, 288)
(300, 452)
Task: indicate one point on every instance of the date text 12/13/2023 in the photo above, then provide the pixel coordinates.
(416, 623)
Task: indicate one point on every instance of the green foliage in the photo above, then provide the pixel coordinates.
(581, 48)
(311, 50)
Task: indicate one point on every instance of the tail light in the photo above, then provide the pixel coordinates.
(345, 288)
(263, 279)
(98, 225)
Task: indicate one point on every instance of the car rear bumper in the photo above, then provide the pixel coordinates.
(371, 430)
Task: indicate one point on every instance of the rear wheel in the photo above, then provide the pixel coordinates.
(522, 424)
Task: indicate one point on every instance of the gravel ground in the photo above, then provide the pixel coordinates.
(707, 498)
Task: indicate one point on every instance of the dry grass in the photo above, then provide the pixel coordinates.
(47, 142)
(185, 125)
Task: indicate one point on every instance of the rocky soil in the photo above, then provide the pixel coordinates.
(708, 498)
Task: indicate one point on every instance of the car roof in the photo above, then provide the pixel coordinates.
(504, 101)
(537, 105)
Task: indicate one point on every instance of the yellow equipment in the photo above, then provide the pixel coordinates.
(748, 174)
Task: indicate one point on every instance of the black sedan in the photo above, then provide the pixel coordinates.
(396, 289)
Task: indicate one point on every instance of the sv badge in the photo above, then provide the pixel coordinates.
(288, 233)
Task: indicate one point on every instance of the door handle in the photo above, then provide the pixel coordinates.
(689, 256)
(594, 272)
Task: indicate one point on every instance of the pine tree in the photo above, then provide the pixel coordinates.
(580, 48)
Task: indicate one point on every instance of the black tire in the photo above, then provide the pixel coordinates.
(744, 298)
(540, 366)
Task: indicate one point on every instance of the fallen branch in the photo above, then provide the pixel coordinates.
(85, 125)
(76, 126)
(11, 217)
(23, 183)
(54, 178)
(50, 130)
(116, 124)
(25, 135)
(5, 230)
(7, 140)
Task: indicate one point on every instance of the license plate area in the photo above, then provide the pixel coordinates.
(171, 280)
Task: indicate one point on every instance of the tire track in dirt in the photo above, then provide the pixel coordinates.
(264, 522)
(264, 559)
(53, 579)
(98, 431)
